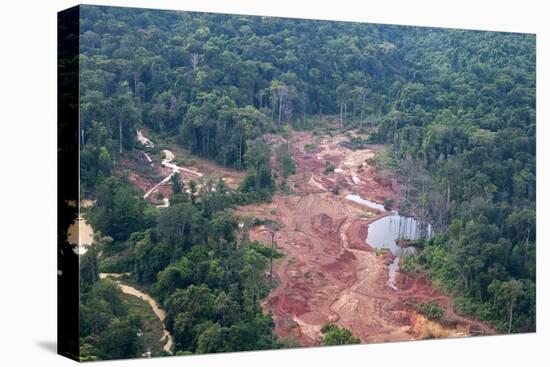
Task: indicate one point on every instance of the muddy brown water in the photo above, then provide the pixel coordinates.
(81, 234)
(159, 312)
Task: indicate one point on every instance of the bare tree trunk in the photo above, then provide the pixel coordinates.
(448, 196)
(195, 139)
(241, 151)
(341, 113)
(280, 108)
(362, 110)
(394, 127)
(208, 142)
(120, 135)
(271, 257)
(422, 203)
(195, 60)
(345, 114)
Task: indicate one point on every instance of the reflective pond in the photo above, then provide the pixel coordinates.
(386, 231)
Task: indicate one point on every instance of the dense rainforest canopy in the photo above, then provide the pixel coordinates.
(455, 108)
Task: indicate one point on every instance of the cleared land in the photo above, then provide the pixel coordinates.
(329, 273)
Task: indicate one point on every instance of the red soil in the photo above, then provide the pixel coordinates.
(145, 181)
(329, 274)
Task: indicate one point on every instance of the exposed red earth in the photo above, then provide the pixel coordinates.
(155, 181)
(329, 274)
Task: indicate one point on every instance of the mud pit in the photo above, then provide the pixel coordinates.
(329, 273)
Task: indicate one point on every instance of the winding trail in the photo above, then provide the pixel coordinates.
(175, 168)
(169, 157)
(159, 312)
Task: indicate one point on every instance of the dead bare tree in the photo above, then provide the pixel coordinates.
(260, 97)
(282, 92)
(194, 59)
(272, 229)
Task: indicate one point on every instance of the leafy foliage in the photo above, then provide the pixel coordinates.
(108, 330)
(189, 259)
(335, 335)
(432, 310)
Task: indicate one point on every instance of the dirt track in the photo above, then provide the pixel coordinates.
(329, 273)
(196, 169)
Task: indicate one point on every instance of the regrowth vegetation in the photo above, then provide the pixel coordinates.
(335, 335)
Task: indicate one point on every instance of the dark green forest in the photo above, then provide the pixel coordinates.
(455, 109)
(210, 288)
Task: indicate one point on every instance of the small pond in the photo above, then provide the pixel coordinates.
(384, 233)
